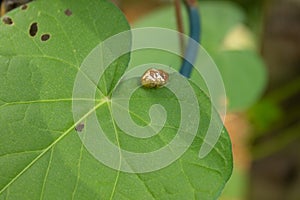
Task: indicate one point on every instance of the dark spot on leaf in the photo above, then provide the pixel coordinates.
(45, 37)
(24, 7)
(79, 127)
(7, 20)
(68, 12)
(33, 29)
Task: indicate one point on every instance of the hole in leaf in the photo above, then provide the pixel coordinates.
(24, 7)
(79, 127)
(33, 29)
(68, 12)
(45, 37)
(7, 20)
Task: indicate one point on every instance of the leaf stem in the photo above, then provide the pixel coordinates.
(179, 21)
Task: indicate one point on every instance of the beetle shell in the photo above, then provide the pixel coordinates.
(154, 78)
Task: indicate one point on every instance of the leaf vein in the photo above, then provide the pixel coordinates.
(46, 101)
(118, 142)
(66, 36)
(17, 153)
(47, 172)
(50, 146)
(79, 167)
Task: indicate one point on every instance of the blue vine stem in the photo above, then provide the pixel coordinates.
(195, 31)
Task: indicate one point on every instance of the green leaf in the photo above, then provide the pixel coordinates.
(41, 155)
(227, 41)
(243, 76)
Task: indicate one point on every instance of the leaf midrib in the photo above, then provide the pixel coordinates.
(103, 101)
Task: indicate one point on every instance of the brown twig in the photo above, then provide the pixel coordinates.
(2, 12)
(179, 21)
(191, 2)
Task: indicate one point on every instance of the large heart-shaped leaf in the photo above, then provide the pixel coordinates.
(41, 154)
(229, 45)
